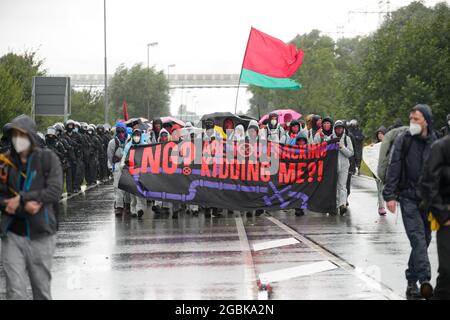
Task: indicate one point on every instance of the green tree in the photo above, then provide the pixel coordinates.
(16, 73)
(144, 90)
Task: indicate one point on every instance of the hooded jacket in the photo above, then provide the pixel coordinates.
(381, 129)
(116, 146)
(43, 183)
(164, 131)
(414, 159)
(346, 150)
(302, 135)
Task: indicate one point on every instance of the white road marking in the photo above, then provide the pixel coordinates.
(274, 244)
(298, 271)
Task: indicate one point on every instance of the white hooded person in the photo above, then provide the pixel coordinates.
(346, 151)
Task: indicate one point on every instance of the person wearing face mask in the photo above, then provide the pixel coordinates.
(102, 153)
(138, 204)
(291, 134)
(316, 128)
(324, 134)
(92, 163)
(273, 132)
(287, 121)
(345, 152)
(76, 144)
(52, 142)
(408, 157)
(29, 215)
(446, 129)
(115, 153)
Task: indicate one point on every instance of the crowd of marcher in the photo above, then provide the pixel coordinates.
(414, 170)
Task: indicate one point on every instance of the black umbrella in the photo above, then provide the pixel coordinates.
(220, 117)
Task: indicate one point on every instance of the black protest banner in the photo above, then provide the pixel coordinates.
(239, 175)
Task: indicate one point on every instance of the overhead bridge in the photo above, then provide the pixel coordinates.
(176, 81)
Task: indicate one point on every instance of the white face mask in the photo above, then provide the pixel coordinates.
(414, 128)
(21, 144)
(448, 123)
(137, 139)
(273, 123)
(288, 123)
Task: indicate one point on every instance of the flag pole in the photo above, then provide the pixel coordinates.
(240, 75)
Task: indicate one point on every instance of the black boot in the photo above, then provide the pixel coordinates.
(412, 291)
(342, 210)
(207, 213)
(299, 212)
(140, 213)
(426, 290)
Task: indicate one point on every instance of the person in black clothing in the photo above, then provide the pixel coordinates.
(445, 130)
(76, 145)
(352, 160)
(435, 192)
(407, 162)
(52, 142)
(359, 137)
(102, 155)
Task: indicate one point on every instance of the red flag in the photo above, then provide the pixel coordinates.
(270, 56)
(125, 112)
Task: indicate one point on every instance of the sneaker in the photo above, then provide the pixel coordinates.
(426, 290)
(412, 291)
(299, 212)
(140, 213)
(382, 211)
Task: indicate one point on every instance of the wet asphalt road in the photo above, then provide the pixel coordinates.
(99, 256)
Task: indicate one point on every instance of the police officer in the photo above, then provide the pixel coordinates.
(102, 157)
(52, 142)
(76, 144)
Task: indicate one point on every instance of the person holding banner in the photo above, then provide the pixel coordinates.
(115, 153)
(138, 205)
(345, 153)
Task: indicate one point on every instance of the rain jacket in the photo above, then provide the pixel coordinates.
(415, 158)
(346, 150)
(385, 148)
(435, 184)
(43, 183)
(276, 135)
(116, 148)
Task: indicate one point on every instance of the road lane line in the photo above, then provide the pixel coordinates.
(386, 291)
(298, 271)
(274, 244)
(249, 271)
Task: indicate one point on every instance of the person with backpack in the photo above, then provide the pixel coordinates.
(407, 161)
(29, 214)
(273, 131)
(345, 152)
(435, 193)
(115, 154)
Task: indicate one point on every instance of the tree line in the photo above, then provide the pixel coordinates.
(376, 78)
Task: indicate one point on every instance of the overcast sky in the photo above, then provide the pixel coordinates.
(199, 36)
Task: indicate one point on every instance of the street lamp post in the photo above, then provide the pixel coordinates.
(106, 73)
(151, 44)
